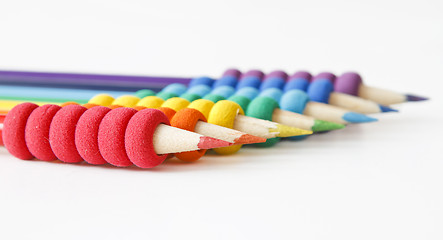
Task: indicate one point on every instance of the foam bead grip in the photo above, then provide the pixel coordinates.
(144, 93)
(187, 119)
(223, 113)
(202, 105)
(232, 72)
(298, 83)
(226, 81)
(348, 83)
(126, 101)
(86, 135)
(190, 96)
(102, 100)
(62, 133)
(13, 133)
(249, 81)
(176, 103)
(263, 108)
(253, 73)
(294, 101)
(324, 75)
(273, 82)
(299, 80)
(138, 138)
(169, 112)
(320, 90)
(273, 93)
(111, 136)
(166, 95)
(201, 81)
(214, 97)
(276, 74)
(200, 90)
(176, 88)
(248, 92)
(240, 100)
(151, 102)
(37, 132)
(224, 91)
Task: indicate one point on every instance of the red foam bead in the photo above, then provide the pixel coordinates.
(86, 134)
(111, 136)
(139, 138)
(62, 133)
(37, 132)
(14, 130)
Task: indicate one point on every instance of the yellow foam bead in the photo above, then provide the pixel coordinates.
(176, 103)
(223, 113)
(126, 101)
(150, 102)
(202, 105)
(102, 100)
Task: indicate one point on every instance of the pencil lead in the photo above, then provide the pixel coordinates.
(249, 139)
(353, 117)
(209, 142)
(287, 131)
(414, 98)
(384, 108)
(322, 126)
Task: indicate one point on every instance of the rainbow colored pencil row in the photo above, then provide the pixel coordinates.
(73, 120)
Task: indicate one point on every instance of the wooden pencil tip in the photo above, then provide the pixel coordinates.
(209, 142)
(248, 139)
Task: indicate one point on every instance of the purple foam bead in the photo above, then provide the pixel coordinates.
(277, 74)
(301, 74)
(348, 83)
(253, 73)
(232, 72)
(325, 75)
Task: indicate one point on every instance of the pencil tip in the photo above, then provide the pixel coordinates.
(209, 142)
(414, 98)
(353, 117)
(287, 131)
(248, 139)
(322, 126)
(387, 109)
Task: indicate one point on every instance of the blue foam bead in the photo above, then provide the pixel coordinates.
(294, 100)
(201, 81)
(251, 81)
(297, 83)
(273, 83)
(273, 93)
(200, 90)
(248, 92)
(224, 91)
(225, 81)
(176, 88)
(320, 90)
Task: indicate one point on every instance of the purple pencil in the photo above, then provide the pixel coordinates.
(88, 81)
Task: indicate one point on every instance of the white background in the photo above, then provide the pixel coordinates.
(374, 181)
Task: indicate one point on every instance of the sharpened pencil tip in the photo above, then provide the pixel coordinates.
(209, 142)
(322, 126)
(414, 98)
(387, 109)
(353, 117)
(248, 139)
(287, 131)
